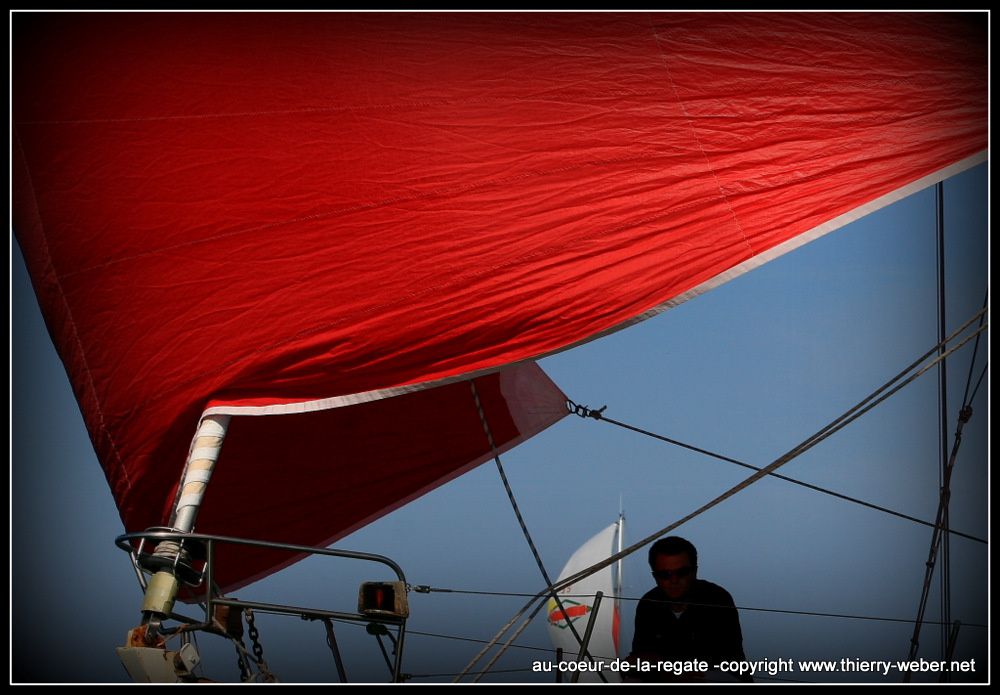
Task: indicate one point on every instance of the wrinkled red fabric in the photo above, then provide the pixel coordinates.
(270, 209)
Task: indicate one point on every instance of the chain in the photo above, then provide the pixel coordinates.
(258, 651)
(241, 660)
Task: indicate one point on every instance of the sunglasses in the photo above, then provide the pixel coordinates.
(680, 573)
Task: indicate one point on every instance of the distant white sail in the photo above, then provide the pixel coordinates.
(578, 605)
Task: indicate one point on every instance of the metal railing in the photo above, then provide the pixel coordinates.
(139, 546)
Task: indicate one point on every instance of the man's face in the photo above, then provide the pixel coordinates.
(674, 574)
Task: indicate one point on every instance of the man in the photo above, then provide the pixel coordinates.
(684, 618)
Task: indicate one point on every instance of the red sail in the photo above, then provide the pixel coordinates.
(318, 212)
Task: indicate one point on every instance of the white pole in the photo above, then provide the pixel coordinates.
(201, 462)
(163, 586)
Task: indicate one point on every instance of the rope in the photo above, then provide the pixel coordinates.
(524, 527)
(506, 646)
(979, 382)
(585, 412)
(550, 650)
(857, 411)
(854, 413)
(448, 675)
(846, 616)
(529, 670)
(547, 650)
(506, 483)
(965, 414)
(975, 352)
(437, 590)
(849, 416)
(410, 633)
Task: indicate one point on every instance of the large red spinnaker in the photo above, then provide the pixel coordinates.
(329, 222)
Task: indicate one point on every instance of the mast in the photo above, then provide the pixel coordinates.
(943, 406)
(619, 545)
(617, 605)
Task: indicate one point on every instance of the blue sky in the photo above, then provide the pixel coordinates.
(747, 370)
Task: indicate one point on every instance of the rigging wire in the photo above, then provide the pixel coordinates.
(550, 650)
(524, 527)
(979, 383)
(506, 645)
(854, 413)
(448, 675)
(585, 412)
(530, 670)
(975, 353)
(942, 513)
(457, 638)
(429, 589)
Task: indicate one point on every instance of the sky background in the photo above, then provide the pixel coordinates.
(748, 370)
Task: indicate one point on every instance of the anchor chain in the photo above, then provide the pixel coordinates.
(241, 660)
(258, 650)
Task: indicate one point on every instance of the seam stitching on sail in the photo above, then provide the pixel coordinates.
(694, 133)
(69, 314)
(342, 109)
(375, 204)
(679, 298)
(428, 289)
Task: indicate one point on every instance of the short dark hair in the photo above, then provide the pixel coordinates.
(673, 545)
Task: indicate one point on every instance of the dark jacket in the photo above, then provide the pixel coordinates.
(708, 629)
